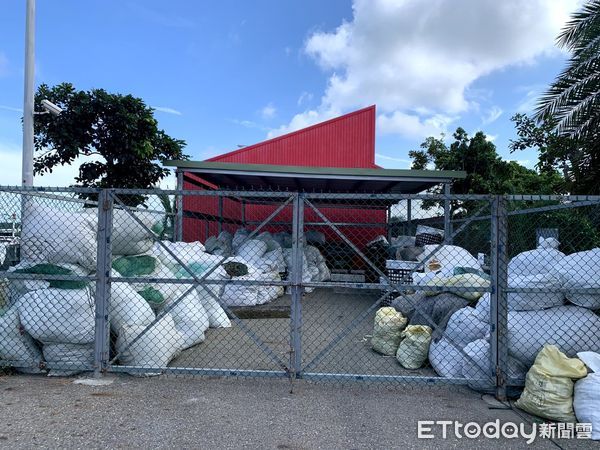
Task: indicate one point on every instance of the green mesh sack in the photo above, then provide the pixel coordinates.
(52, 269)
(153, 296)
(135, 266)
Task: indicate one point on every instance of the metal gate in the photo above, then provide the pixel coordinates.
(289, 285)
(234, 345)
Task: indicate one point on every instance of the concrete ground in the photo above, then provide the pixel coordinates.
(183, 412)
(326, 314)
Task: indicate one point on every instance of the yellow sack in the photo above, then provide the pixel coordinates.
(549, 385)
(389, 323)
(414, 347)
(470, 280)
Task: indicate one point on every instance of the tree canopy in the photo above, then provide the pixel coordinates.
(572, 101)
(487, 172)
(566, 124)
(577, 159)
(116, 135)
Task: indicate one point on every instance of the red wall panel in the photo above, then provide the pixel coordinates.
(346, 141)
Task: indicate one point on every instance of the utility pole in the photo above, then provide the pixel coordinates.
(27, 166)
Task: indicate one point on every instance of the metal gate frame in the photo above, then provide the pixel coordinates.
(110, 198)
(296, 367)
(304, 371)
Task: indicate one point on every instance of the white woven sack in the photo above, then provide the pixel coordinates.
(59, 315)
(579, 271)
(446, 359)
(531, 301)
(56, 236)
(154, 349)
(571, 328)
(465, 326)
(534, 262)
(449, 257)
(65, 355)
(17, 345)
(127, 307)
(190, 317)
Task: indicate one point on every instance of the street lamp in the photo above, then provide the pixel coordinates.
(27, 165)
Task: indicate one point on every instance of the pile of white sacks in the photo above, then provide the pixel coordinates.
(151, 321)
(560, 316)
(267, 256)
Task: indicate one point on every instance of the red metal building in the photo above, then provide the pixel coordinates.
(347, 141)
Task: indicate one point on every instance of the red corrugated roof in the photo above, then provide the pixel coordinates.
(345, 141)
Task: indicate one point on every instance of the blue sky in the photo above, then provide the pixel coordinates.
(228, 73)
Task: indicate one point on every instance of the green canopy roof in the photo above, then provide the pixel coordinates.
(314, 179)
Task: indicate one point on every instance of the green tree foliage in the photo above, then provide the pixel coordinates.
(116, 135)
(578, 159)
(568, 114)
(487, 172)
(573, 99)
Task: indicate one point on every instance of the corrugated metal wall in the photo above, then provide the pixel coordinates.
(346, 141)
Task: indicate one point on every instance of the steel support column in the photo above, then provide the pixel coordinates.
(220, 214)
(498, 304)
(296, 287)
(179, 209)
(447, 217)
(103, 268)
(409, 232)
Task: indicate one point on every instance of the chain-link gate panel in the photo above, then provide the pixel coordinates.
(552, 280)
(215, 306)
(48, 257)
(397, 288)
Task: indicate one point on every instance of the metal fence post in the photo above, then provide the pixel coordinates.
(103, 268)
(296, 287)
(447, 215)
(498, 304)
(178, 235)
(220, 214)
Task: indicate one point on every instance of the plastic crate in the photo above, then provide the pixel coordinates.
(400, 272)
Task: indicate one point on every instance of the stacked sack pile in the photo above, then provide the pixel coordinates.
(460, 347)
(268, 257)
(392, 337)
(560, 388)
(54, 321)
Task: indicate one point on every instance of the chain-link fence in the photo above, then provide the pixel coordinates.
(389, 287)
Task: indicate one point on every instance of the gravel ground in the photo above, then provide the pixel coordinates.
(184, 412)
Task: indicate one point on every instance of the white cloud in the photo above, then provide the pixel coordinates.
(11, 108)
(167, 110)
(524, 162)
(391, 158)
(409, 56)
(491, 137)
(249, 124)
(303, 120)
(10, 169)
(529, 102)
(412, 125)
(305, 97)
(268, 112)
(492, 115)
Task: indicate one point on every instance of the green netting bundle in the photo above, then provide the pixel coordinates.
(135, 266)
(153, 296)
(52, 269)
